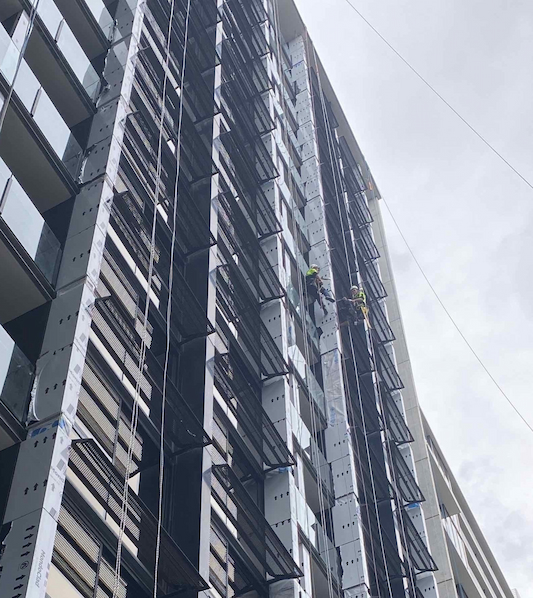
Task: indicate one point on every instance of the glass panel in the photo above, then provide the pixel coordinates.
(315, 391)
(76, 57)
(50, 15)
(27, 85)
(16, 376)
(5, 173)
(31, 230)
(54, 128)
(8, 56)
(101, 14)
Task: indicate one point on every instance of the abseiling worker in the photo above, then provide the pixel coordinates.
(354, 309)
(359, 301)
(315, 288)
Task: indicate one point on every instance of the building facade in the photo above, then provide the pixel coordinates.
(177, 415)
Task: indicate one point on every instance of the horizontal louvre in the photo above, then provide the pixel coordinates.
(92, 467)
(262, 544)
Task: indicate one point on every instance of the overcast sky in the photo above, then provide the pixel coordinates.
(468, 218)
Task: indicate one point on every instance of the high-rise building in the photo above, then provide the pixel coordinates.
(184, 408)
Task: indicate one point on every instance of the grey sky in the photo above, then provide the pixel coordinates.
(468, 218)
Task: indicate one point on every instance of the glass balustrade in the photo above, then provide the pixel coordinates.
(16, 376)
(315, 391)
(27, 86)
(50, 15)
(26, 223)
(76, 57)
(102, 16)
(68, 44)
(38, 104)
(8, 56)
(57, 132)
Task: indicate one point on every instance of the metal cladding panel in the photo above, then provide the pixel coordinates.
(343, 472)
(345, 515)
(352, 564)
(338, 441)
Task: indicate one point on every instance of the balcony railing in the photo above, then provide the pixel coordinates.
(418, 553)
(26, 223)
(264, 548)
(39, 105)
(408, 489)
(69, 46)
(396, 425)
(387, 369)
(16, 376)
(259, 433)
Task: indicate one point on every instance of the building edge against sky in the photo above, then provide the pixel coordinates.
(156, 264)
(455, 540)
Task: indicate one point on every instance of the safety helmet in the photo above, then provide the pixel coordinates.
(354, 288)
(315, 267)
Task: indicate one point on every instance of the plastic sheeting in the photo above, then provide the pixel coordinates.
(287, 588)
(334, 388)
(357, 592)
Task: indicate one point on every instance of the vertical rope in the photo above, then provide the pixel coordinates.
(142, 355)
(303, 303)
(169, 302)
(363, 419)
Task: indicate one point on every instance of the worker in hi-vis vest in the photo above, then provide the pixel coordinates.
(315, 288)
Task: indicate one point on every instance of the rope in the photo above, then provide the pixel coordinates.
(398, 508)
(441, 98)
(363, 419)
(303, 302)
(456, 326)
(142, 355)
(169, 302)
(22, 52)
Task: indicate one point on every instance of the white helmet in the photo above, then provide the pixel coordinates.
(354, 288)
(315, 267)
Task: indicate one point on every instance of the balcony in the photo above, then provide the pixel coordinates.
(256, 542)
(258, 432)
(418, 553)
(247, 332)
(406, 484)
(296, 309)
(16, 377)
(387, 368)
(237, 238)
(396, 425)
(320, 550)
(380, 323)
(100, 481)
(90, 22)
(27, 224)
(317, 477)
(29, 251)
(56, 57)
(48, 158)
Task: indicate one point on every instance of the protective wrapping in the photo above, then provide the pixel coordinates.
(334, 388)
(286, 588)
